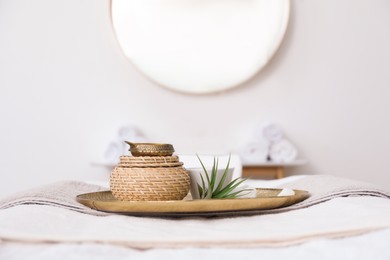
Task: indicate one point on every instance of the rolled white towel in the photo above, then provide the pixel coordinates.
(118, 147)
(283, 151)
(272, 132)
(129, 133)
(112, 153)
(255, 151)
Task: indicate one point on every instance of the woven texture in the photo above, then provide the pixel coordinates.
(151, 149)
(149, 165)
(160, 183)
(149, 161)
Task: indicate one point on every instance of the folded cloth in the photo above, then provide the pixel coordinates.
(60, 194)
(283, 151)
(255, 151)
(326, 187)
(270, 131)
(321, 188)
(338, 217)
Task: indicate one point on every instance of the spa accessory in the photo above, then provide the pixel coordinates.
(149, 178)
(254, 151)
(266, 142)
(215, 183)
(118, 147)
(265, 199)
(150, 149)
(283, 151)
(271, 132)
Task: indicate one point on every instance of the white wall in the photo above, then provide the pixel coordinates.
(65, 88)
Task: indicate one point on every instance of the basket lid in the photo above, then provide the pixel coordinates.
(150, 149)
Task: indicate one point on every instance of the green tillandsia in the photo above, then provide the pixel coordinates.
(212, 189)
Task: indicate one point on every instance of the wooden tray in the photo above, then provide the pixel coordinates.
(266, 199)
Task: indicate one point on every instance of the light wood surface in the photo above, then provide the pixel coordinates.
(268, 170)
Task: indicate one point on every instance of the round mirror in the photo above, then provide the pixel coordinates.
(199, 46)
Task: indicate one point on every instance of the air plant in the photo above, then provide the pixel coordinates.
(212, 189)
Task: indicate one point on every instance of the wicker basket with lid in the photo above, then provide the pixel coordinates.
(143, 178)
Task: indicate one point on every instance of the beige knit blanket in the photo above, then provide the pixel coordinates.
(51, 214)
(321, 187)
(325, 187)
(59, 194)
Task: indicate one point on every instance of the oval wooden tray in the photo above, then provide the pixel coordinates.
(266, 199)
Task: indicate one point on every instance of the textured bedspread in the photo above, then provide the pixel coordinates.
(321, 187)
(51, 214)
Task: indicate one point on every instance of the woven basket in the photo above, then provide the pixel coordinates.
(149, 165)
(150, 161)
(155, 159)
(159, 183)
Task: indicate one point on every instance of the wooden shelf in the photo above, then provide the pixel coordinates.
(268, 169)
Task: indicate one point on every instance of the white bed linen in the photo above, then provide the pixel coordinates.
(309, 233)
(374, 245)
(335, 218)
